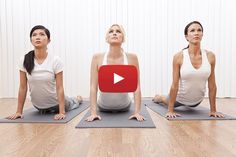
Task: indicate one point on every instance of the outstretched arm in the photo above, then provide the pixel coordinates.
(212, 87)
(60, 96)
(21, 97)
(177, 61)
(137, 93)
(93, 89)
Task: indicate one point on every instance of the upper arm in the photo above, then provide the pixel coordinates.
(94, 71)
(133, 60)
(57, 65)
(23, 79)
(212, 61)
(58, 71)
(177, 62)
(59, 79)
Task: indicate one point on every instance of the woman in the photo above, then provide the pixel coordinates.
(193, 67)
(44, 74)
(113, 101)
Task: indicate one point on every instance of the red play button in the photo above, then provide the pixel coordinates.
(117, 78)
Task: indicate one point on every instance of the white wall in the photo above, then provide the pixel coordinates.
(154, 31)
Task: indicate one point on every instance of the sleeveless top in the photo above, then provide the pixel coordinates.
(114, 101)
(192, 84)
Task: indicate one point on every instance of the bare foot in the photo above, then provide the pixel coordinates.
(157, 99)
(80, 99)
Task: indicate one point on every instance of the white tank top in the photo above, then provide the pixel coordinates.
(114, 101)
(192, 84)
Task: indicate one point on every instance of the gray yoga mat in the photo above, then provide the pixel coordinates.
(118, 120)
(32, 115)
(187, 113)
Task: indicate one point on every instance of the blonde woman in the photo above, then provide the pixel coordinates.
(115, 36)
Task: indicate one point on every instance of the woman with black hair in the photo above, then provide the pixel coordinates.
(44, 74)
(193, 67)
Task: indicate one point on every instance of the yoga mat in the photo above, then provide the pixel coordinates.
(118, 120)
(32, 115)
(187, 113)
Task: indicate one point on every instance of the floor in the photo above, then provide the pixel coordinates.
(168, 139)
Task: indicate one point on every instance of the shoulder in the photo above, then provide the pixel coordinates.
(54, 58)
(22, 58)
(21, 64)
(210, 56)
(98, 58)
(98, 55)
(131, 56)
(178, 57)
(209, 53)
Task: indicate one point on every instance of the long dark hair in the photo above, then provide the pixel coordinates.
(186, 29)
(29, 57)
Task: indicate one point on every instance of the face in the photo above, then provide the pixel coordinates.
(115, 35)
(39, 38)
(194, 33)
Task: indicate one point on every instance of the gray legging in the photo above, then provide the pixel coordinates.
(114, 110)
(70, 104)
(177, 104)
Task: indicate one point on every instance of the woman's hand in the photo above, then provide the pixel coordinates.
(172, 115)
(15, 116)
(93, 117)
(137, 116)
(216, 114)
(59, 116)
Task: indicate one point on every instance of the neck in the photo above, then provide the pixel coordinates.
(194, 49)
(115, 51)
(40, 53)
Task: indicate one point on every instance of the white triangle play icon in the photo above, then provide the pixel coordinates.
(117, 78)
